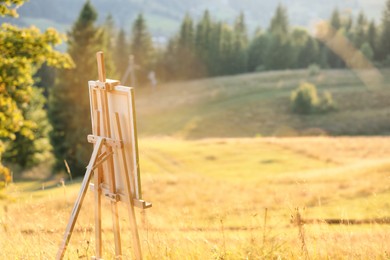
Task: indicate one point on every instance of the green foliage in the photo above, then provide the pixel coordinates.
(257, 51)
(335, 20)
(367, 51)
(314, 69)
(30, 150)
(107, 34)
(69, 110)
(142, 48)
(279, 23)
(305, 100)
(240, 45)
(121, 53)
(327, 104)
(23, 51)
(360, 36)
(372, 37)
(309, 53)
(384, 51)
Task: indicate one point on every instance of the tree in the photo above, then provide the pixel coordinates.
(121, 53)
(227, 48)
(142, 48)
(23, 51)
(360, 31)
(108, 37)
(28, 151)
(185, 51)
(279, 23)
(367, 51)
(384, 51)
(335, 20)
(299, 38)
(372, 37)
(69, 102)
(309, 54)
(279, 53)
(240, 45)
(334, 61)
(202, 42)
(257, 51)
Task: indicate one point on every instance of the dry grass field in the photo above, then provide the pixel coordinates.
(223, 198)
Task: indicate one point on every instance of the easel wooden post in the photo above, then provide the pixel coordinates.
(102, 165)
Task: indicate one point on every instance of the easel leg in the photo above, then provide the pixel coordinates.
(79, 201)
(134, 230)
(130, 207)
(114, 209)
(98, 212)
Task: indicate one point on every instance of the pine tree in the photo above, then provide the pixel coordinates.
(69, 100)
(186, 34)
(279, 54)
(185, 65)
(279, 22)
(335, 20)
(121, 54)
(257, 51)
(309, 54)
(142, 48)
(202, 41)
(360, 31)
(215, 50)
(227, 48)
(372, 38)
(384, 51)
(299, 38)
(108, 37)
(334, 61)
(240, 44)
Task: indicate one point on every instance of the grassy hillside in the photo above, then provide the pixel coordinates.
(259, 104)
(210, 199)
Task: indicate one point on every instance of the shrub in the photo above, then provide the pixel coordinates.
(327, 103)
(304, 99)
(314, 69)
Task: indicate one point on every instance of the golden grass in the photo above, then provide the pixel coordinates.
(210, 198)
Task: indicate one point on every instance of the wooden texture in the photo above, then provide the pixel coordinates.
(125, 178)
(120, 100)
(79, 200)
(97, 196)
(101, 68)
(109, 165)
(114, 161)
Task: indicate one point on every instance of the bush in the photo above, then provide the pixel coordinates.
(327, 103)
(314, 69)
(305, 100)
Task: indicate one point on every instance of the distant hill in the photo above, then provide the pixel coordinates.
(164, 16)
(259, 104)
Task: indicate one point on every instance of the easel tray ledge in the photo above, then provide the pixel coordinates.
(123, 198)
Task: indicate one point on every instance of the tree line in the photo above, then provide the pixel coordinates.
(202, 48)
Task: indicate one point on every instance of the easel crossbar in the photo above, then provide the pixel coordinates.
(123, 198)
(109, 141)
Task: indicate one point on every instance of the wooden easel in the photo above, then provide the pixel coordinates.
(101, 165)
